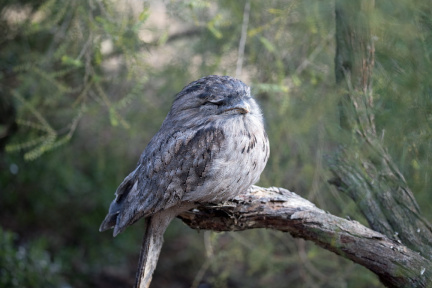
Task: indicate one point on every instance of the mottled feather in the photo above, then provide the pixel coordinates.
(211, 146)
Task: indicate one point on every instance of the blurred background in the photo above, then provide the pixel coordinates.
(85, 84)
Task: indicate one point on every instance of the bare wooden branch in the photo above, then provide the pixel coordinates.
(279, 209)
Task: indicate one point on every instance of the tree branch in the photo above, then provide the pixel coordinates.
(279, 209)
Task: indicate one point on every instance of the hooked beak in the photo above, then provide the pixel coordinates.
(241, 106)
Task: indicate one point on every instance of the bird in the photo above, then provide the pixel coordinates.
(211, 147)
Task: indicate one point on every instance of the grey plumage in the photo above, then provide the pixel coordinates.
(211, 146)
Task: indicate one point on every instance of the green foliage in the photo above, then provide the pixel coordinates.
(403, 90)
(26, 266)
(54, 65)
(100, 76)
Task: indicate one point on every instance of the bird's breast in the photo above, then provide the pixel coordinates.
(237, 164)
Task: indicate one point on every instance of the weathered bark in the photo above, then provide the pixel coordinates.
(279, 209)
(364, 169)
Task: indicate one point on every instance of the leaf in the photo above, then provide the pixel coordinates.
(296, 80)
(113, 117)
(415, 164)
(71, 61)
(267, 44)
(266, 87)
(276, 11)
(211, 26)
(144, 15)
(214, 31)
(163, 38)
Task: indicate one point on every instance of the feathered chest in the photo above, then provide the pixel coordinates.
(211, 147)
(203, 163)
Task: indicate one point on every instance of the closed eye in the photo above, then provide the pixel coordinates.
(214, 102)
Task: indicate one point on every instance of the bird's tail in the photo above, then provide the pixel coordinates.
(151, 247)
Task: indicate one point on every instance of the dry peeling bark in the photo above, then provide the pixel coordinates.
(279, 209)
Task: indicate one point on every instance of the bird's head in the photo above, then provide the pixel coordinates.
(213, 97)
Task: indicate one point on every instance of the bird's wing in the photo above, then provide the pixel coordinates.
(170, 167)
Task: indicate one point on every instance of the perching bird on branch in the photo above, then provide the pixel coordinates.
(211, 147)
